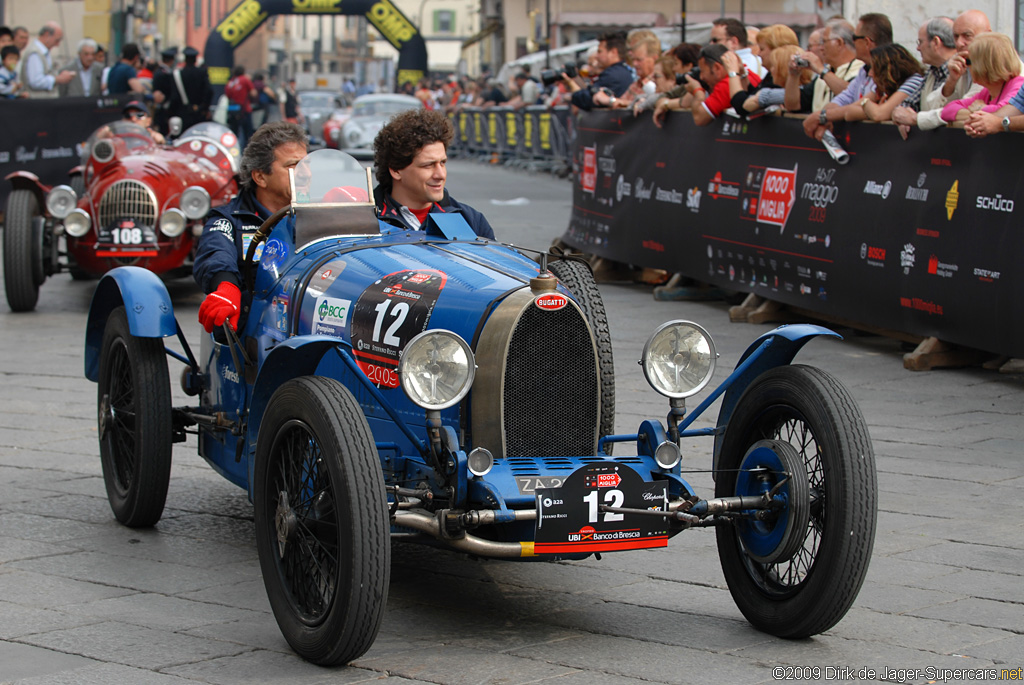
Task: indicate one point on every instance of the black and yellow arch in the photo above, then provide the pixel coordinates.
(250, 14)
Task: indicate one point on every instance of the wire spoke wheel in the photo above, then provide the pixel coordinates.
(322, 523)
(811, 586)
(134, 423)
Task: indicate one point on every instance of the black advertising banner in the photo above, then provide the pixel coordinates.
(45, 137)
(914, 235)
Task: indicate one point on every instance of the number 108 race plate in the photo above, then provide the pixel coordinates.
(569, 518)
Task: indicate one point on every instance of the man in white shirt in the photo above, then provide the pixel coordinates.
(733, 34)
(38, 72)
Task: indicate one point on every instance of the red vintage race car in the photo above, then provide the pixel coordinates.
(130, 202)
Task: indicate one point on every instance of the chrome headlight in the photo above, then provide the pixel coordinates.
(103, 151)
(60, 201)
(437, 369)
(172, 223)
(195, 202)
(679, 359)
(77, 223)
(480, 461)
(354, 136)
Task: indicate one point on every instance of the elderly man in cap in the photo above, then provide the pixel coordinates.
(193, 94)
(88, 74)
(163, 88)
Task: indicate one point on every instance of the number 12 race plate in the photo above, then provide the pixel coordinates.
(570, 521)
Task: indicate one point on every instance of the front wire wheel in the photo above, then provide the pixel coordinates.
(809, 589)
(134, 414)
(322, 524)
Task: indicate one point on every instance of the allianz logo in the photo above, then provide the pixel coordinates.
(880, 189)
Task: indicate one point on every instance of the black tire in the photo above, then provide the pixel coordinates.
(134, 411)
(810, 592)
(327, 581)
(577, 277)
(23, 258)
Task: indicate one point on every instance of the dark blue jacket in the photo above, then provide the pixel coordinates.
(388, 210)
(616, 78)
(219, 255)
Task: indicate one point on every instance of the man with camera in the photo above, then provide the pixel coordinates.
(614, 80)
(835, 70)
(719, 70)
(873, 29)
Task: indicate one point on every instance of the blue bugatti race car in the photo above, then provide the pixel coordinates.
(439, 387)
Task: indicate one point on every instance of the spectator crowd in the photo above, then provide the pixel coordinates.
(963, 74)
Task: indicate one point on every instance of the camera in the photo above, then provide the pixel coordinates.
(551, 76)
(801, 62)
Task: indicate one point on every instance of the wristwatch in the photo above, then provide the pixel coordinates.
(824, 71)
(1006, 124)
(612, 100)
(823, 118)
(864, 100)
(733, 73)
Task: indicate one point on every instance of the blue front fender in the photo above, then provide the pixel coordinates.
(777, 347)
(145, 300)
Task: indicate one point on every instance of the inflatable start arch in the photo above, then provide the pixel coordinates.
(250, 14)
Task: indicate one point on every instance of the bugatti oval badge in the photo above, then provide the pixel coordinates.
(551, 302)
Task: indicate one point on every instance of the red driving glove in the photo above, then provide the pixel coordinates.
(223, 304)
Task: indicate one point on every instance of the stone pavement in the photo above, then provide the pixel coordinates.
(85, 600)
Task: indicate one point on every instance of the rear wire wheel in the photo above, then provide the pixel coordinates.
(809, 586)
(322, 522)
(134, 412)
(577, 277)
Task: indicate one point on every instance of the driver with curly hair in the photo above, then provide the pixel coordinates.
(410, 154)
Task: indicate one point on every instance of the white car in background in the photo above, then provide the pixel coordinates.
(369, 114)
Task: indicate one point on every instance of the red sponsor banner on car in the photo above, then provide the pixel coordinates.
(778, 192)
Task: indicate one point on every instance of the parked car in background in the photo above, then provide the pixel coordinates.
(369, 114)
(317, 107)
(130, 202)
(332, 127)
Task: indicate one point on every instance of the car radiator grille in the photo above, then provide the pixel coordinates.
(128, 199)
(549, 405)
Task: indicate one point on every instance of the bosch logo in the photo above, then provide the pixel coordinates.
(551, 302)
(876, 253)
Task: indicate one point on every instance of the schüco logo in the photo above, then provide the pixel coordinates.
(551, 302)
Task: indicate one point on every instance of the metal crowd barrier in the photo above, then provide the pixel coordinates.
(534, 138)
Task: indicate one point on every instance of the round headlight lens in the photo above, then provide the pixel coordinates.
(667, 455)
(679, 359)
(77, 223)
(437, 369)
(103, 151)
(60, 201)
(172, 223)
(195, 202)
(480, 461)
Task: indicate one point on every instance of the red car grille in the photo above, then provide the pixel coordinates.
(128, 199)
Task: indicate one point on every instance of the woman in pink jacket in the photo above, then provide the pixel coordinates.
(995, 67)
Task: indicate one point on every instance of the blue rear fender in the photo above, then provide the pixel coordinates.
(146, 302)
(777, 347)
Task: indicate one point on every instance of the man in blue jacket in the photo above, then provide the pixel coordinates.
(265, 188)
(614, 80)
(410, 157)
